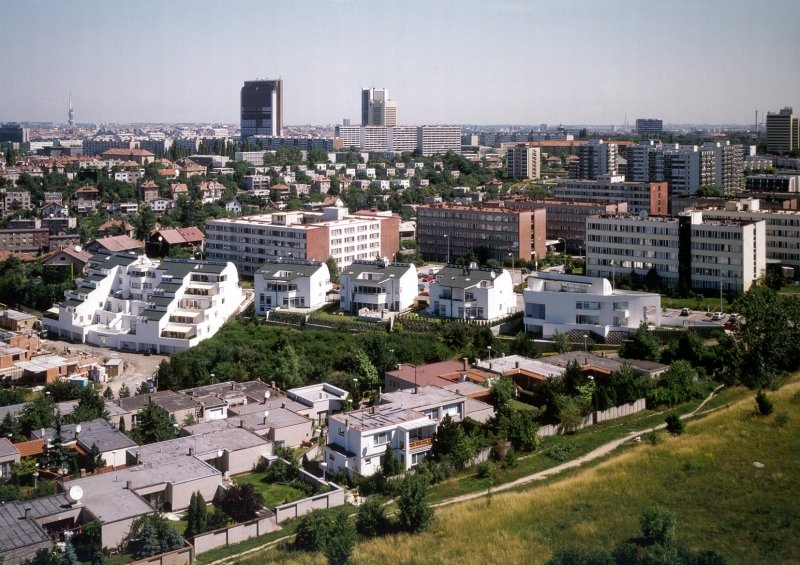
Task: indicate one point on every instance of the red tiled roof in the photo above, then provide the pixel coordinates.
(192, 234)
(30, 448)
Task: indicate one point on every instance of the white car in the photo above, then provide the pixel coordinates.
(717, 316)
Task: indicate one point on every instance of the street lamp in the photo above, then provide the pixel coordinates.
(585, 343)
(447, 239)
(512, 267)
(613, 273)
(489, 347)
(535, 261)
(323, 466)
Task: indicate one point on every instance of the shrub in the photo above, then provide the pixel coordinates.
(415, 514)
(658, 525)
(371, 518)
(781, 419)
(675, 425)
(560, 449)
(485, 470)
(242, 502)
(763, 404)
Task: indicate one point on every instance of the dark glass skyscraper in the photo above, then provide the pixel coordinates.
(262, 108)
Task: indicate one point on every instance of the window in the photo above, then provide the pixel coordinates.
(533, 310)
(381, 438)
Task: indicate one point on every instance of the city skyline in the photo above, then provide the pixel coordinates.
(508, 62)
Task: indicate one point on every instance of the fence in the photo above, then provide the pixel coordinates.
(182, 556)
(595, 418)
(232, 534)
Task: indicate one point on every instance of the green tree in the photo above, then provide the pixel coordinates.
(92, 460)
(450, 443)
(367, 373)
(371, 519)
(561, 342)
(197, 516)
(108, 394)
(144, 222)
(391, 464)
(151, 534)
(242, 502)
(124, 391)
(414, 512)
(154, 425)
(90, 407)
(341, 539)
(286, 367)
(641, 344)
(675, 425)
(333, 269)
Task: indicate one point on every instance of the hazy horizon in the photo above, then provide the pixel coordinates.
(472, 62)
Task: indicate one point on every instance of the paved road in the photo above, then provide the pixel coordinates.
(138, 367)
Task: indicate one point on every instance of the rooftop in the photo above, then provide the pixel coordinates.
(424, 397)
(377, 417)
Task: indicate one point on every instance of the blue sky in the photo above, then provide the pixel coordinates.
(516, 61)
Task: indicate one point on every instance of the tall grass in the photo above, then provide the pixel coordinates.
(705, 476)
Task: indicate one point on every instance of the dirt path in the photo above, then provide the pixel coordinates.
(597, 453)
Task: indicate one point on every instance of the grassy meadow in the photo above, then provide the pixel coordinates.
(707, 477)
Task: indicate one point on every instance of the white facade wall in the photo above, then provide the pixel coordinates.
(309, 290)
(487, 300)
(377, 290)
(562, 303)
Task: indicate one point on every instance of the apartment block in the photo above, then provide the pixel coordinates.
(685, 168)
(523, 162)
(649, 197)
(782, 228)
(566, 219)
(649, 126)
(687, 251)
(595, 158)
(15, 201)
(250, 241)
(447, 231)
(783, 131)
(428, 140)
(25, 240)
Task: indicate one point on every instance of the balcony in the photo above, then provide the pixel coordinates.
(420, 443)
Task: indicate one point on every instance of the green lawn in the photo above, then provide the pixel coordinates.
(707, 304)
(274, 494)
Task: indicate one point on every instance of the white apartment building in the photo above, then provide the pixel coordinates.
(559, 303)
(378, 285)
(470, 293)
(687, 251)
(428, 140)
(684, 167)
(782, 228)
(523, 162)
(250, 241)
(131, 175)
(291, 284)
(649, 197)
(253, 157)
(135, 303)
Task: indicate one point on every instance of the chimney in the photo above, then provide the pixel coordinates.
(138, 457)
(28, 513)
(465, 361)
(191, 451)
(272, 383)
(233, 385)
(516, 364)
(241, 423)
(283, 405)
(129, 485)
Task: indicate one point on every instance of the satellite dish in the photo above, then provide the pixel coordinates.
(78, 429)
(75, 493)
(266, 394)
(266, 413)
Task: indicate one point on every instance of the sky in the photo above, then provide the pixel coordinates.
(443, 61)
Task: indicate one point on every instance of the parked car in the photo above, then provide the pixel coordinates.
(717, 316)
(686, 311)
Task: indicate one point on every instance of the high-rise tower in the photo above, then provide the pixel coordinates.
(262, 108)
(71, 113)
(377, 109)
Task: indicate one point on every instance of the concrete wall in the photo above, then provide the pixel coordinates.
(245, 460)
(179, 495)
(234, 534)
(182, 556)
(113, 533)
(330, 499)
(292, 436)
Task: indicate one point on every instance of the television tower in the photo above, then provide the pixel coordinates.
(71, 113)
